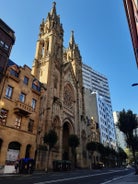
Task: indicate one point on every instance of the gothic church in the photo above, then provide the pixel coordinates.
(62, 100)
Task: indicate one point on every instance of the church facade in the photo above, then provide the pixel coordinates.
(62, 101)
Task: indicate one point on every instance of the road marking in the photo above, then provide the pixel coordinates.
(114, 179)
(109, 181)
(75, 178)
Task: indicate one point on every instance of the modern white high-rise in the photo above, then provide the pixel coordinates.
(101, 106)
(103, 115)
(95, 81)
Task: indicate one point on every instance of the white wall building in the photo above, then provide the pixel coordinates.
(96, 82)
(103, 115)
(101, 104)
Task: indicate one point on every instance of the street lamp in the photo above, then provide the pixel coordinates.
(134, 84)
(1, 104)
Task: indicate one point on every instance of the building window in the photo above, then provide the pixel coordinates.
(22, 97)
(30, 125)
(3, 116)
(18, 122)
(33, 103)
(1, 43)
(6, 47)
(9, 91)
(36, 85)
(26, 80)
(14, 73)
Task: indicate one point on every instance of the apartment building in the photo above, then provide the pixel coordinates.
(102, 114)
(101, 109)
(19, 115)
(7, 39)
(95, 81)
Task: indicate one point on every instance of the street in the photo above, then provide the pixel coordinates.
(76, 177)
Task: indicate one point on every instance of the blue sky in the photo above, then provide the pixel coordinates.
(100, 29)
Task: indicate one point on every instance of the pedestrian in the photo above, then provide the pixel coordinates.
(17, 166)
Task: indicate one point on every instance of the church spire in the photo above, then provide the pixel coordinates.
(53, 10)
(73, 48)
(72, 40)
(49, 45)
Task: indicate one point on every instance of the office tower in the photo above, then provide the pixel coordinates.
(101, 108)
(95, 81)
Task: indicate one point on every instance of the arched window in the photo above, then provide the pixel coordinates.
(47, 45)
(13, 152)
(14, 145)
(28, 148)
(36, 85)
(42, 50)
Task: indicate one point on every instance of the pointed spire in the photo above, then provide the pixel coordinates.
(42, 26)
(43, 22)
(72, 41)
(53, 10)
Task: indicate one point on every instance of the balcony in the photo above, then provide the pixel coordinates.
(22, 109)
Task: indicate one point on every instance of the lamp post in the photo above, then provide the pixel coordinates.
(1, 105)
(134, 84)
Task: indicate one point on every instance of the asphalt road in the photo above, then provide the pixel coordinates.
(75, 177)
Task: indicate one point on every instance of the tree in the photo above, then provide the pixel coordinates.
(50, 139)
(122, 156)
(127, 123)
(102, 151)
(73, 143)
(91, 147)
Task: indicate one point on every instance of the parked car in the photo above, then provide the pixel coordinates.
(99, 165)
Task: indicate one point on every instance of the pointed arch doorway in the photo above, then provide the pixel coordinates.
(66, 132)
(65, 155)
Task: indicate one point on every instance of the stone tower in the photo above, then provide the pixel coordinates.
(60, 72)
